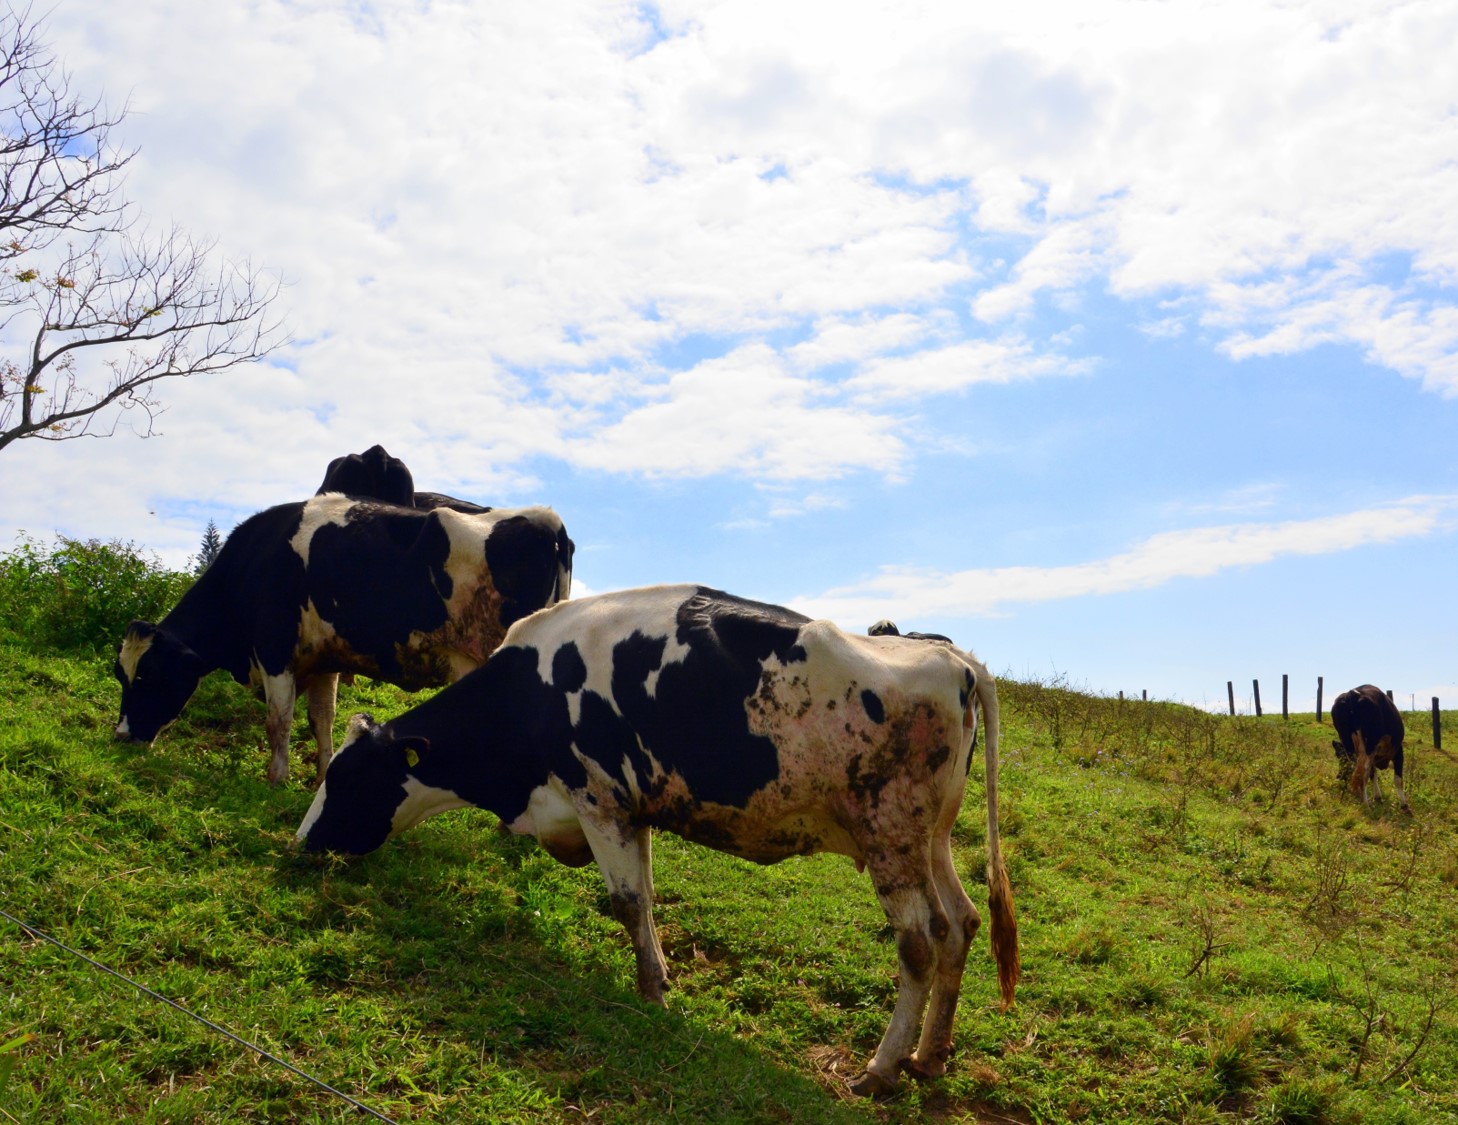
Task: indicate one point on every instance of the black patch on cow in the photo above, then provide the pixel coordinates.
(522, 556)
(401, 564)
(497, 734)
(569, 672)
(695, 722)
(872, 703)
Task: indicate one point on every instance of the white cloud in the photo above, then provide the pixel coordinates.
(953, 368)
(1192, 553)
(741, 414)
(495, 220)
(838, 340)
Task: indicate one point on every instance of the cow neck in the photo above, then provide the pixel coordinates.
(199, 620)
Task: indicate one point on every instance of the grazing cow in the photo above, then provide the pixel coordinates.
(302, 592)
(745, 727)
(1370, 730)
(375, 475)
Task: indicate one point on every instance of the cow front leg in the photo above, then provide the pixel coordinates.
(323, 695)
(279, 693)
(1401, 792)
(624, 856)
(915, 914)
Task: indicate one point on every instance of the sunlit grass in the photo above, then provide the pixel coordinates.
(1211, 931)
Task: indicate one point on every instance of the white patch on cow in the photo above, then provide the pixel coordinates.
(313, 628)
(133, 648)
(422, 801)
(122, 729)
(316, 807)
(594, 625)
(550, 813)
(330, 508)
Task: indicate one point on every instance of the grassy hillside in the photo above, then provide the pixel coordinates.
(1211, 930)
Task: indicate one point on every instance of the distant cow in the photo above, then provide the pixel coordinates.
(887, 628)
(1370, 730)
(375, 475)
(302, 592)
(745, 727)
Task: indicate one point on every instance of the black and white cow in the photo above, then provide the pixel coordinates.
(741, 726)
(375, 475)
(302, 592)
(1370, 732)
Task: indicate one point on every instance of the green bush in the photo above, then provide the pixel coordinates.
(80, 593)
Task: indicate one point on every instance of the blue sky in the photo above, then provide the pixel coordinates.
(1116, 340)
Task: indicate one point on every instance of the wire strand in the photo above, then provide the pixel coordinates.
(200, 1019)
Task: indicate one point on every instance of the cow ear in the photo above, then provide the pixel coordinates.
(414, 747)
(360, 723)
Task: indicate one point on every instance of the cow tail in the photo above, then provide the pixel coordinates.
(1361, 767)
(999, 887)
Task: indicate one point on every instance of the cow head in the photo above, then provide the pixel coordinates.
(158, 674)
(369, 792)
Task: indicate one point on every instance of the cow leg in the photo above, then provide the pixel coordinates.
(624, 857)
(323, 693)
(935, 1046)
(910, 901)
(1376, 782)
(279, 693)
(1401, 792)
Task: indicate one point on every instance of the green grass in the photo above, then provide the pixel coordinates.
(1211, 931)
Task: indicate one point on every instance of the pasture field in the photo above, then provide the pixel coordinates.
(1211, 930)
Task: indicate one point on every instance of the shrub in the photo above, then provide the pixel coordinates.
(81, 593)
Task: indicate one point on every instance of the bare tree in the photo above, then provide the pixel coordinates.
(93, 312)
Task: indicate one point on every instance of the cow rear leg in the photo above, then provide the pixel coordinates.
(912, 907)
(279, 693)
(935, 1046)
(624, 856)
(323, 694)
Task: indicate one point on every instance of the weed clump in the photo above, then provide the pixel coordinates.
(79, 594)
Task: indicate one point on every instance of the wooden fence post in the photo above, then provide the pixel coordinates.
(1437, 725)
(1230, 691)
(1285, 710)
(1318, 699)
(1256, 685)
(1145, 694)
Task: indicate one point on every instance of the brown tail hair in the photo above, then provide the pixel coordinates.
(999, 888)
(1361, 767)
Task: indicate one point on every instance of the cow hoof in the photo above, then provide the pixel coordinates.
(924, 1070)
(871, 1085)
